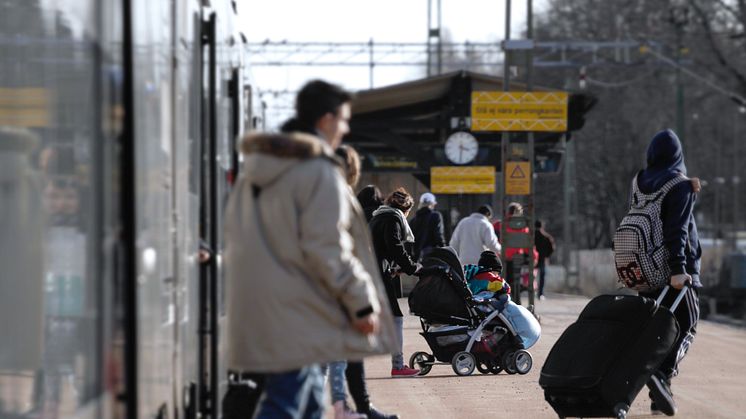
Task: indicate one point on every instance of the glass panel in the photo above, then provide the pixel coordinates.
(52, 206)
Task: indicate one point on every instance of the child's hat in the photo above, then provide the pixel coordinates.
(489, 259)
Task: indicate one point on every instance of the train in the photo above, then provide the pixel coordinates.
(118, 129)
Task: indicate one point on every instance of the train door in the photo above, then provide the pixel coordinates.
(222, 109)
(151, 232)
(208, 226)
(60, 116)
(188, 136)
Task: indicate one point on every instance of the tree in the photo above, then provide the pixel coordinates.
(637, 98)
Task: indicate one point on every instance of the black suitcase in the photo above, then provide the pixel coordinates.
(600, 363)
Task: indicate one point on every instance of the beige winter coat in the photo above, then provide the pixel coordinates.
(294, 284)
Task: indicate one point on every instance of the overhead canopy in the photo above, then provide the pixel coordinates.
(404, 126)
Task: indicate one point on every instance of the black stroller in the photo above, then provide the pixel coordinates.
(460, 330)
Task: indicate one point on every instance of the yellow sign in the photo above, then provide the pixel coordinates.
(462, 179)
(519, 111)
(24, 107)
(517, 178)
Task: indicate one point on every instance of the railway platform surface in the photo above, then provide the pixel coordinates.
(712, 383)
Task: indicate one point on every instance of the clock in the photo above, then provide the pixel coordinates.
(461, 147)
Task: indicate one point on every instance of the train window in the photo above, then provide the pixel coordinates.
(56, 209)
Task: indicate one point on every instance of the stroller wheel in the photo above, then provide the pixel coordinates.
(508, 362)
(522, 361)
(421, 360)
(495, 367)
(484, 368)
(463, 363)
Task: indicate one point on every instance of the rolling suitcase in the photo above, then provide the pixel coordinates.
(600, 363)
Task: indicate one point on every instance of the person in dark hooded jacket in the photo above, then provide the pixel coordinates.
(370, 198)
(427, 227)
(665, 161)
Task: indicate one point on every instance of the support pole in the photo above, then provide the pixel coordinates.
(531, 209)
(505, 138)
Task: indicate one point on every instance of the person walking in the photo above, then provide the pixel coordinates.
(427, 227)
(390, 232)
(665, 162)
(473, 235)
(353, 371)
(544, 244)
(515, 209)
(301, 281)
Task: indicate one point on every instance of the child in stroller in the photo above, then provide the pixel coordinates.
(489, 333)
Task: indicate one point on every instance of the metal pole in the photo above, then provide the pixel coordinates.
(679, 88)
(372, 62)
(736, 180)
(531, 209)
(440, 41)
(429, 31)
(505, 138)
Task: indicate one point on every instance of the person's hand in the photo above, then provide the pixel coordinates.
(678, 281)
(696, 184)
(366, 325)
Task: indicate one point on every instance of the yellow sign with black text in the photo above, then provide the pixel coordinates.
(519, 111)
(517, 178)
(462, 179)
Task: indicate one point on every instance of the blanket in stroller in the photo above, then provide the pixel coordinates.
(523, 322)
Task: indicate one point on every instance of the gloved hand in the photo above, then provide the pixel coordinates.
(678, 281)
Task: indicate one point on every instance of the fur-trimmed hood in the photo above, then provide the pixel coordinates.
(267, 156)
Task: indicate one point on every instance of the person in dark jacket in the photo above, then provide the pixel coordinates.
(665, 161)
(370, 198)
(354, 370)
(390, 231)
(544, 244)
(427, 226)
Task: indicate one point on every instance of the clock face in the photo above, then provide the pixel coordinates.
(461, 147)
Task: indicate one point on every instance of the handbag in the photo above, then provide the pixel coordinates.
(243, 395)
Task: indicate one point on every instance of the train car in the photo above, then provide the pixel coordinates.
(118, 123)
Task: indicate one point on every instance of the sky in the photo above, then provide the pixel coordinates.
(359, 21)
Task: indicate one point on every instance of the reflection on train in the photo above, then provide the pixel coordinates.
(118, 120)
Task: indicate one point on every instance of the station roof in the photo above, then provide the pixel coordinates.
(404, 126)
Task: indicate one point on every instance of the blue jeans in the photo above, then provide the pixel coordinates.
(337, 380)
(397, 358)
(336, 371)
(293, 395)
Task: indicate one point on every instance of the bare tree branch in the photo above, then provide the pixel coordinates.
(716, 48)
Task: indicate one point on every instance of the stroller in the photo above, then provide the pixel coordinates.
(467, 332)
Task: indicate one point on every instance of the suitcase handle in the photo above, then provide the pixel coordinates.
(682, 294)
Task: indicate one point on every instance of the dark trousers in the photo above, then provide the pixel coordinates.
(687, 314)
(542, 266)
(355, 374)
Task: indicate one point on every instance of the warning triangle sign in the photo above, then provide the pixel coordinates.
(517, 173)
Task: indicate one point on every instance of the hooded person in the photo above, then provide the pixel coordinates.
(427, 227)
(302, 285)
(665, 162)
(370, 198)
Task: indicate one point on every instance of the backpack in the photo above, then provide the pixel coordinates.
(640, 254)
